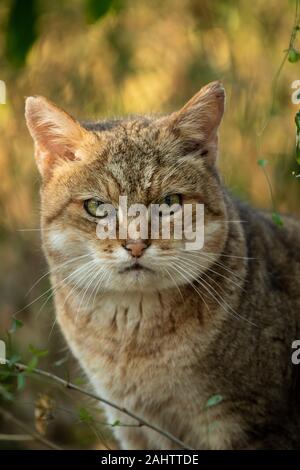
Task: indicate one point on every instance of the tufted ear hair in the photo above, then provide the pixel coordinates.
(198, 121)
(57, 136)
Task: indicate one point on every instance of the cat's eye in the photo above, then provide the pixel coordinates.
(94, 208)
(169, 200)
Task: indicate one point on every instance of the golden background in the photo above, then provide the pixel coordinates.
(113, 57)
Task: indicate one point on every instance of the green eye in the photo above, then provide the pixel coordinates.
(93, 208)
(170, 199)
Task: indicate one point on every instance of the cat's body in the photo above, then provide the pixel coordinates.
(192, 326)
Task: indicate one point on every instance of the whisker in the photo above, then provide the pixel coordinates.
(174, 281)
(204, 284)
(223, 266)
(34, 229)
(229, 256)
(232, 311)
(196, 264)
(190, 283)
(52, 328)
(29, 230)
(42, 295)
(221, 255)
(232, 221)
(93, 275)
(77, 285)
(59, 284)
(56, 269)
(101, 273)
(99, 286)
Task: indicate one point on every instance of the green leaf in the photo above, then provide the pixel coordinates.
(293, 55)
(15, 325)
(38, 352)
(298, 150)
(297, 121)
(4, 374)
(262, 163)
(13, 359)
(116, 423)
(214, 400)
(79, 381)
(21, 382)
(277, 219)
(4, 391)
(85, 416)
(32, 364)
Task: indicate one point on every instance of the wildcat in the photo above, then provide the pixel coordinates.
(159, 329)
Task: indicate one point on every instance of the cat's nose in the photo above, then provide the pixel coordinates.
(136, 247)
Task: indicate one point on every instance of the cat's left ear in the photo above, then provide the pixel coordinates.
(57, 136)
(197, 123)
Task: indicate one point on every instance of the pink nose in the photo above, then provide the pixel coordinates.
(136, 247)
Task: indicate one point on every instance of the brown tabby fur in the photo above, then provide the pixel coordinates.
(221, 321)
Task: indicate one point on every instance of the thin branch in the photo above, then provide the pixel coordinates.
(35, 436)
(71, 386)
(16, 437)
(275, 80)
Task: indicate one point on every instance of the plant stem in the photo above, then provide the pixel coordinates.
(71, 386)
(35, 436)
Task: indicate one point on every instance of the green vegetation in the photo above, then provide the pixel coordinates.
(110, 57)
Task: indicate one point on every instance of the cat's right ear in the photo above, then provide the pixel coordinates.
(57, 136)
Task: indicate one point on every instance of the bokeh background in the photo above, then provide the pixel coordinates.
(100, 58)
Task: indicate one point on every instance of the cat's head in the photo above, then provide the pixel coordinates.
(148, 159)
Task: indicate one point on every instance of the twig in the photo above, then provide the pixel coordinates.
(35, 436)
(259, 134)
(280, 68)
(71, 386)
(16, 437)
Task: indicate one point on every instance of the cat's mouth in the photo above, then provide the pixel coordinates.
(136, 267)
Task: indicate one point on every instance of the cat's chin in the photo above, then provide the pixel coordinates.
(141, 280)
(136, 269)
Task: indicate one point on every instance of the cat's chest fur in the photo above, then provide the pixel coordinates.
(142, 351)
(133, 339)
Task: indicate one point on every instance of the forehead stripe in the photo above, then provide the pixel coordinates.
(54, 216)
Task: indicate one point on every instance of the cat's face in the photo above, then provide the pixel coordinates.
(148, 160)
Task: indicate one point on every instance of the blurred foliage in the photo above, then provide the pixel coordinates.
(21, 30)
(96, 9)
(108, 57)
